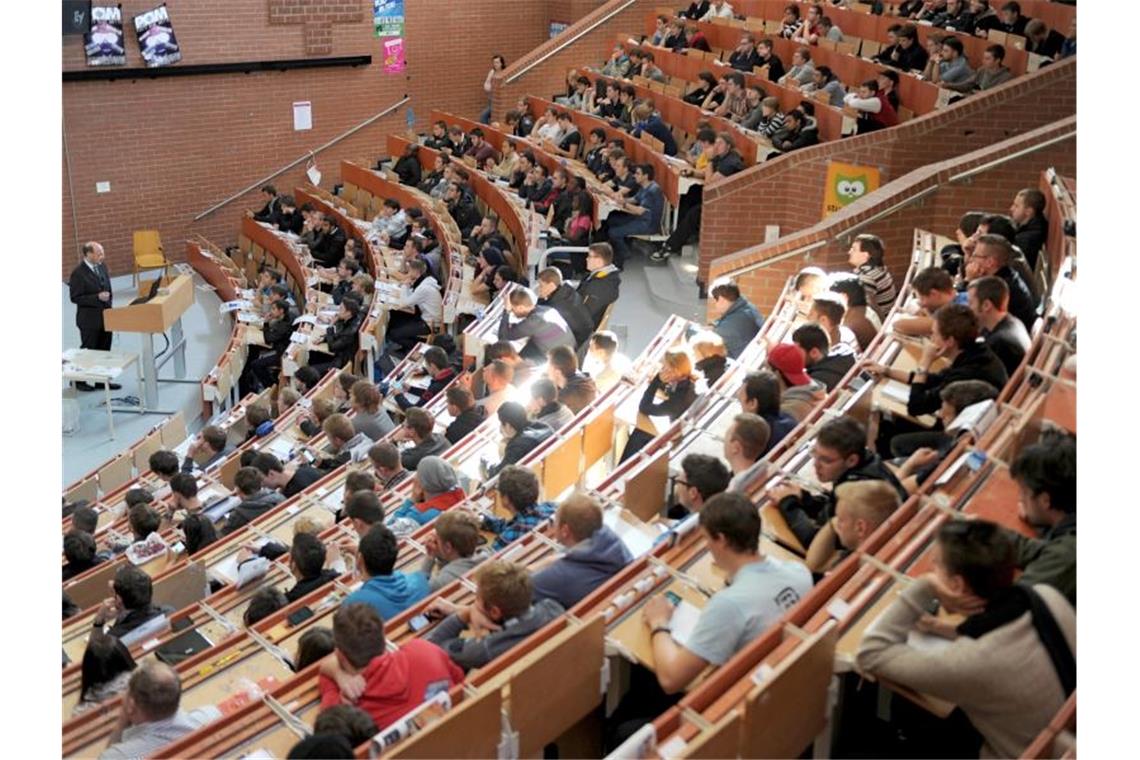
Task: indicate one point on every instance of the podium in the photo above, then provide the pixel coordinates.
(161, 313)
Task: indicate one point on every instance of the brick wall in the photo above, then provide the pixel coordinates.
(593, 47)
(939, 210)
(172, 147)
(788, 191)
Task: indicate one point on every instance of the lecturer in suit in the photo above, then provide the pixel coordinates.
(90, 286)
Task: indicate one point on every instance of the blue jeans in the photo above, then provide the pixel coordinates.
(622, 225)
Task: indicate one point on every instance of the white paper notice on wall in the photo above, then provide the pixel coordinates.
(302, 115)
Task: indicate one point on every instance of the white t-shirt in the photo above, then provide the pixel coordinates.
(759, 595)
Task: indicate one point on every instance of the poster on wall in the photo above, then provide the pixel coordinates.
(103, 42)
(388, 17)
(394, 55)
(157, 42)
(847, 183)
(557, 28)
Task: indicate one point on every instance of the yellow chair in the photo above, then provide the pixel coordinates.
(148, 253)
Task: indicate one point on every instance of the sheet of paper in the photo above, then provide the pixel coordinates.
(684, 620)
(895, 390)
(633, 537)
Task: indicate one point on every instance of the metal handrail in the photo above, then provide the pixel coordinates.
(570, 40)
(306, 157)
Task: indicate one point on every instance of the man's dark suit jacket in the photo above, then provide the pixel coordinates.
(85, 287)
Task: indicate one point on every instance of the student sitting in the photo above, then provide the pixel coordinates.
(761, 590)
(735, 319)
(821, 363)
(933, 288)
(866, 259)
(542, 327)
(130, 605)
(827, 311)
(799, 392)
(386, 591)
(797, 132)
(368, 418)
(994, 255)
(745, 443)
(1009, 666)
(453, 549)
(419, 428)
(955, 337)
(858, 317)
(563, 298)
(105, 672)
(503, 615)
(518, 490)
(438, 366)
(347, 721)
(760, 394)
(307, 564)
(522, 434)
(1005, 335)
(345, 444)
(575, 389)
(840, 455)
(603, 362)
(435, 488)
(702, 477)
(465, 414)
(594, 553)
(256, 500)
(1046, 477)
(150, 717)
(957, 397)
(860, 508)
(385, 684)
(545, 407)
(79, 551)
(208, 448)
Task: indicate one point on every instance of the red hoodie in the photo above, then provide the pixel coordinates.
(398, 682)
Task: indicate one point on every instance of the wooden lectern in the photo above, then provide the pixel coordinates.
(161, 313)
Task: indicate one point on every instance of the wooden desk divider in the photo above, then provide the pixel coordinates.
(115, 473)
(557, 685)
(720, 741)
(471, 729)
(92, 588)
(184, 588)
(786, 711)
(645, 487)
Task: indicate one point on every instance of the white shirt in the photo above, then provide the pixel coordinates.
(723, 11)
(394, 225)
(427, 297)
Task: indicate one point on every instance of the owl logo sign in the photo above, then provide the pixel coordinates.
(847, 183)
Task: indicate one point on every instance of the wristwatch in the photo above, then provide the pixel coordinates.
(659, 629)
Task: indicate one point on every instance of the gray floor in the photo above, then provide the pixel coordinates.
(207, 333)
(649, 295)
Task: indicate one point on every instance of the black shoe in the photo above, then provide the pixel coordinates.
(115, 386)
(661, 255)
(82, 386)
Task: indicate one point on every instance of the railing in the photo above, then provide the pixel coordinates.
(570, 40)
(306, 157)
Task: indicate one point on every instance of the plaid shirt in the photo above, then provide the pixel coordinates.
(507, 531)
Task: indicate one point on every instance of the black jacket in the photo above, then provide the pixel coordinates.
(678, 399)
(437, 384)
(747, 61)
(807, 513)
(408, 170)
(1022, 304)
(277, 333)
(774, 64)
(831, 369)
(465, 214)
(328, 248)
(250, 509)
(975, 362)
(1030, 238)
(566, 301)
(913, 58)
(1009, 340)
(306, 585)
(84, 287)
(786, 140)
(270, 212)
(433, 446)
(304, 477)
(712, 367)
(134, 618)
(598, 291)
(294, 222)
(463, 424)
(526, 441)
(343, 338)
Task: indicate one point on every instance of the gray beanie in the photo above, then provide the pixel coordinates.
(436, 476)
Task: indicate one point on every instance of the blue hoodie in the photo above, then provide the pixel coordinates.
(582, 569)
(390, 594)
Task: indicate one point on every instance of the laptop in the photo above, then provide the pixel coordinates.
(154, 286)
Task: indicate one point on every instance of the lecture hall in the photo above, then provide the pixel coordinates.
(568, 378)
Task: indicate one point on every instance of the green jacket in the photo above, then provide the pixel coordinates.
(1051, 559)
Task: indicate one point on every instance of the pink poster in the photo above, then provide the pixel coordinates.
(393, 55)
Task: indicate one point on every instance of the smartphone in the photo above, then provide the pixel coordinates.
(419, 622)
(861, 379)
(673, 598)
(300, 616)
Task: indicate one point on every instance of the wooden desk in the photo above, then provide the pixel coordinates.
(632, 633)
(87, 365)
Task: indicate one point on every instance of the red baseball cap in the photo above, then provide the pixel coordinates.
(788, 360)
